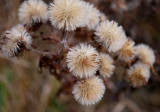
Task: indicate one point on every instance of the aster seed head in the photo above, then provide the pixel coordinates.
(83, 60)
(93, 15)
(138, 75)
(15, 41)
(145, 54)
(107, 66)
(128, 51)
(89, 91)
(110, 35)
(32, 12)
(68, 14)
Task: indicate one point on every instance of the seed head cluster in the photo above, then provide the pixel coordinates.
(89, 63)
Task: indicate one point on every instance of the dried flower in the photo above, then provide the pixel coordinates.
(94, 16)
(128, 51)
(33, 11)
(15, 41)
(83, 60)
(107, 66)
(89, 91)
(110, 35)
(145, 54)
(68, 14)
(138, 75)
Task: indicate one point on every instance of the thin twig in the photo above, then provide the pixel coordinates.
(130, 104)
(64, 42)
(119, 107)
(91, 42)
(42, 52)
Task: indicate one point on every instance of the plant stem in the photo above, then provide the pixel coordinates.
(42, 52)
(64, 42)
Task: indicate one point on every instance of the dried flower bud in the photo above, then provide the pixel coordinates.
(107, 66)
(138, 75)
(15, 41)
(83, 61)
(145, 54)
(89, 91)
(68, 14)
(110, 35)
(33, 11)
(128, 51)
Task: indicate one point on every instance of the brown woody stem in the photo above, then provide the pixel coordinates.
(42, 52)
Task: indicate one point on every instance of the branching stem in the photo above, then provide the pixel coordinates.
(42, 52)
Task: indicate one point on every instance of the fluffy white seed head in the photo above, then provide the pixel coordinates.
(107, 66)
(15, 41)
(138, 75)
(89, 91)
(145, 54)
(110, 35)
(33, 11)
(68, 14)
(94, 16)
(83, 60)
(128, 51)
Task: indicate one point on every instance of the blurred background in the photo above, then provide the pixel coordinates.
(23, 88)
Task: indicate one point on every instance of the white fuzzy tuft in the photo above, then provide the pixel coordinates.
(83, 61)
(33, 11)
(68, 14)
(145, 54)
(107, 66)
(128, 51)
(110, 35)
(89, 91)
(138, 75)
(13, 39)
(94, 16)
